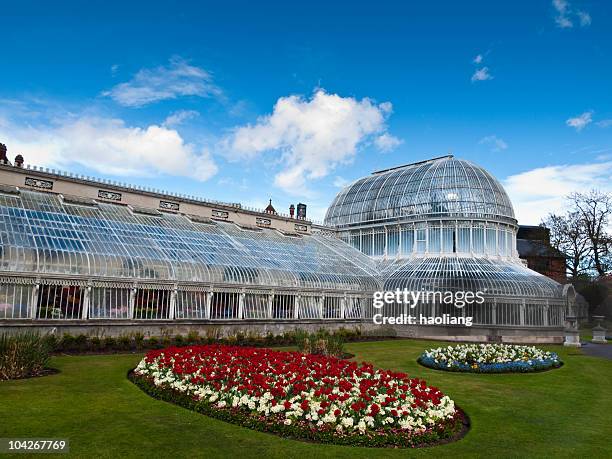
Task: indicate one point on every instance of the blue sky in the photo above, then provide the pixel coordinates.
(241, 102)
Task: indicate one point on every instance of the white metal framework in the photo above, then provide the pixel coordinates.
(444, 225)
(439, 225)
(83, 260)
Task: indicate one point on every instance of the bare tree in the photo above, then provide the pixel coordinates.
(567, 234)
(594, 210)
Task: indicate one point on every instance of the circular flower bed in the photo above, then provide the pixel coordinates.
(302, 396)
(490, 358)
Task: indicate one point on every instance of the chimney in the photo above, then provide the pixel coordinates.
(18, 161)
(291, 210)
(3, 158)
(301, 211)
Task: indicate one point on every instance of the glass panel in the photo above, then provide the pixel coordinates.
(224, 305)
(491, 241)
(407, 234)
(392, 241)
(15, 301)
(309, 307)
(62, 302)
(501, 242)
(434, 239)
(283, 306)
(332, 307)
(421, 241)
(366, 243)
(109, 303)
(255, 306)
(152, 304)
(353, 308)
(448, 240)
(463, 240)
(190, 305)
(478, 239)
(379, 243)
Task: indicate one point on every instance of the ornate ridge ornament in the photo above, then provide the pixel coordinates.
(167, 205)
(110, 195)
(39, 183)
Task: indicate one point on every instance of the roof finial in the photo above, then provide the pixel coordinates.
(270, 209)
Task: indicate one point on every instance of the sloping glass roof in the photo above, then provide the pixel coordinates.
(495, 278)
(41, 234)
(437, 188)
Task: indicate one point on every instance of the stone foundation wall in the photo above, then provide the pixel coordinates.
(216, 329)
(226, 328)
(479, 334)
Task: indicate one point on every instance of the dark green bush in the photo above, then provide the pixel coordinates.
(193, 337)
(320, 342)
(95, 343)
(165, 339)
(110, 343)
(67, 342)
(139, 340)
(23, 355)
(81, 343)
(124, 342)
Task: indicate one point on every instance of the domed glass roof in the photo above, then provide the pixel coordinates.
(495, 278)
(437, 188)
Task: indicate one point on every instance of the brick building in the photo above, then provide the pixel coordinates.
(533, 245)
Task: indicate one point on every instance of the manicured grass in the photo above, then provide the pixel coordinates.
(565, 412)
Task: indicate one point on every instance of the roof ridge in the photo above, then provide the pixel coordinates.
(382, 171)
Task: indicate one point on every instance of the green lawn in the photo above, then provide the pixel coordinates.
(565, 412)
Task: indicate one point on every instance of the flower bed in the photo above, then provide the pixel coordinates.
(490, 358)
(301, 396)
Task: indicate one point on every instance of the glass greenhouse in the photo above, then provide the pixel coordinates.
(441, 225)
(69, 258)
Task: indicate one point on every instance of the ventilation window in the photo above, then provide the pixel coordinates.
(78, 201)
(247, 227)
(200, 219)
(145, 211)
(289, 233)
(8, 189)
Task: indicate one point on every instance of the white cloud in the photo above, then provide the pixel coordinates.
(387, 142)
(108, 146)
(581, 121)
(177, 79)
(179, 117)
(604, 123)
(495, 143)
(562, 17)
(565, 16)
(312, 136)
(538, 192)
(482, 75)
(114, 69)
(585, 18)
(478, 59)
(340, 182)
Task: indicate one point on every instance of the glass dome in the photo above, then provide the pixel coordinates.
(439, 188)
